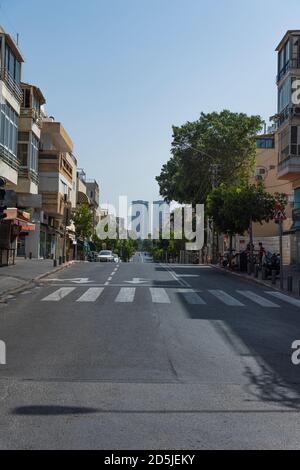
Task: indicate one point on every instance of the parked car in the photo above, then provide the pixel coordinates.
(106, 257)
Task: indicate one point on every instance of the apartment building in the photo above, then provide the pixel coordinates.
(11, 96)
(57, 186)
(28, 197)
(287, 120)
(93, 192)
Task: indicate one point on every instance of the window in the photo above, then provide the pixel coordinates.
(12, 65)
(284, 95)
(26, 98)
(28, 150)
(267, 143)
(8, 128)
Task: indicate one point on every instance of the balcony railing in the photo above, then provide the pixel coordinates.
(24, 172)
(11, 84)
(291, 164)
(291, 64)
(32, 114)
(8, 158)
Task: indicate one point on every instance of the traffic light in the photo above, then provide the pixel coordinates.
(3, 206)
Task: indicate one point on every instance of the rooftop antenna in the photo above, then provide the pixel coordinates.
(17, 39)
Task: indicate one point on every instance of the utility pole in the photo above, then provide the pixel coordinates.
(280, 217)
(211, 234)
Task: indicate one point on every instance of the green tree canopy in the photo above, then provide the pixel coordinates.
(83, 221)
(217, 148)
(234, 208)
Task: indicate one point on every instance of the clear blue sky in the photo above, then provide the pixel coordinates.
(120, 73)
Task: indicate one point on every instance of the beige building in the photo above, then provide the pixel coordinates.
(57, 186)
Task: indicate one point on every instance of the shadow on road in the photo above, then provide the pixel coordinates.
(52, 411)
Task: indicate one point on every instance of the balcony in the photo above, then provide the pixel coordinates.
(11, 84)
(32, 114)
(289, 168)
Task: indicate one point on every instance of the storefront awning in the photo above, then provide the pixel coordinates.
(25, 226)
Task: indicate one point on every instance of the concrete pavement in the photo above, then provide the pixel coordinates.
(23, 273)
(146, 356)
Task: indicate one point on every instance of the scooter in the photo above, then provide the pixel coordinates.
(271, 262)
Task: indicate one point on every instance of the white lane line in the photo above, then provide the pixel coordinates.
(285, 298)
(159, 296)
(226, 298)
(59, 294)
(257, 299)
(110, 279)
(91, 295)
(126, 295)
(191, 297)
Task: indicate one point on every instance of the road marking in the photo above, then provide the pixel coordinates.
(285, 298)
(137, 280)
(59, 294)
(79, 280)
(257, 299)
(91, 295)
(226, 298)
(191, 297)
(187, 275)
(159, 296)
(126, 295)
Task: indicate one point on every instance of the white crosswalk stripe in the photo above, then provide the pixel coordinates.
(126, 295)
(226, 298)
(91, 295)
(285, 298)
(258, 299)
(164, 296)
(59, 294)
(191, 297)
(159, 296)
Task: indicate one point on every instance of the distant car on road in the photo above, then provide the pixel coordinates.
(116, 258)
(106, 257)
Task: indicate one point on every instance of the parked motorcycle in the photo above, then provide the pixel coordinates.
(271, 262)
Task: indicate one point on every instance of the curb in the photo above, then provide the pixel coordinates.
(32, 282)
(253, 279)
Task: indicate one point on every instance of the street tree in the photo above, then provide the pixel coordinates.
(234, 209)
(82, 218)
(217, 148)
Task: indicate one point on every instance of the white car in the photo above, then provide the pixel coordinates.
(116, 258)
(106, 257)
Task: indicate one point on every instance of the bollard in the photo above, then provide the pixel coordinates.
(63, 260)
(264, 274)
(249, 269)
(290, 284)
(274, 275)
(256, 271)
(30, 256)
(55, 263)
(60, 261)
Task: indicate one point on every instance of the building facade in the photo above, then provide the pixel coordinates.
(28, 197)
(58, 188)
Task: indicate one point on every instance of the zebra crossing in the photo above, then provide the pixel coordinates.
(164, 296)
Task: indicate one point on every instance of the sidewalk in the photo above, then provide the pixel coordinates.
(293, 271)
(18, 277)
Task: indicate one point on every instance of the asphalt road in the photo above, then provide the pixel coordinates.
(145, 356)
